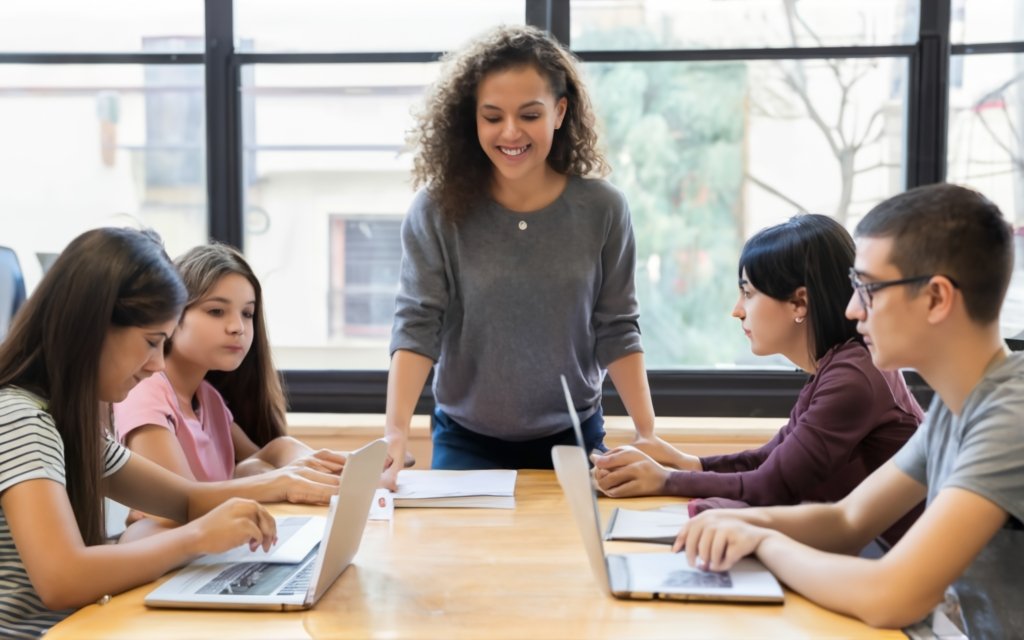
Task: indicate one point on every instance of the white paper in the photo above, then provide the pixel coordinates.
(383, 505)
(486, 488)
(656, 525)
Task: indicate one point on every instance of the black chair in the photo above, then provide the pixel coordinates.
(12, 288)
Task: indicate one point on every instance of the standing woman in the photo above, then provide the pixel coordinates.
(516, 267)
(849, 419)
(94, 327)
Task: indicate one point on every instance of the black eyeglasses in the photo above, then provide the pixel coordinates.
(866, 290)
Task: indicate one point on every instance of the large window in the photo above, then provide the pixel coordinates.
(281, 127)
(986, 116)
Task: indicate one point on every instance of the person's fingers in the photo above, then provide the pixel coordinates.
(389, 479)
(320, 477)
(716, 551)
(680, 542)
(692, 538)
(627, 489)
(617, 477)
(331, 456)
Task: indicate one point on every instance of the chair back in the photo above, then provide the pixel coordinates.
(12, 288)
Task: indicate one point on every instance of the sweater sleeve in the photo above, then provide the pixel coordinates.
(423, 293)
(616, 312)
(744, 460)
(822, 438)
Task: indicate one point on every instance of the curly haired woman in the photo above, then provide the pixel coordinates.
(516, 267)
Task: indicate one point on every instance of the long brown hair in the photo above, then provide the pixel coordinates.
(448, 158)
(252, 391)
(105, 277)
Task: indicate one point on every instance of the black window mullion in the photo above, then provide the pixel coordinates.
(223, 158)
(928, 97)
(551, 16)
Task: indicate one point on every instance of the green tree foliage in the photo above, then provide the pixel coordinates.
(674, 134)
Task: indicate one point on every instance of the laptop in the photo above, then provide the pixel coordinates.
(646, 576)
(285, 586)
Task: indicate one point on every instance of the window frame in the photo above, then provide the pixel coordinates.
(690, 392)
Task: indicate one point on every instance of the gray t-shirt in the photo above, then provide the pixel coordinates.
(507, 301)
(30, 448)
(982, 451)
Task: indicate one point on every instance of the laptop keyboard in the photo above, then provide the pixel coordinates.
(236, 578)
(262, 579)
(299, 583)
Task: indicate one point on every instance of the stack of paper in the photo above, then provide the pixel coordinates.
(656, 525)
(486, 488)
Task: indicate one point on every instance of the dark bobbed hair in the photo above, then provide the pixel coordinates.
(945, 229)
(253, 391)
(105, 278)
(809, 250)
(447, 154)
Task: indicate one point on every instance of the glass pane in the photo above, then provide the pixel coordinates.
(327, 185)
(715, 152)
(974, 21)
(89, 146)
(986, 148)
(381, 25)
(101, 25)
(713, 24)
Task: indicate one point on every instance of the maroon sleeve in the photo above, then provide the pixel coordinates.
(744, 460)
(842, 410)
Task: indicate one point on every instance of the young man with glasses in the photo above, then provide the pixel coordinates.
(932, 268)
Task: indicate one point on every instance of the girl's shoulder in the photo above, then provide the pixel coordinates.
(154, 390)
(22, 411)
(14, 398)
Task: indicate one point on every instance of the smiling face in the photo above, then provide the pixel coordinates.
(130, 355)
(217, 331)
(516, 119)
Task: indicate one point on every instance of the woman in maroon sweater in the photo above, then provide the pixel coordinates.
(849, 418)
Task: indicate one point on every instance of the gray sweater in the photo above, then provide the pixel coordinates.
(507, 301)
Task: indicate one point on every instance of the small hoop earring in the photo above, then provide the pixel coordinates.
(799, 320)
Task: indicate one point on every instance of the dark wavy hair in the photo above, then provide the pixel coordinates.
(105, 278)
(448, 158)
(946, 229)
(808, 250)
(253, 391)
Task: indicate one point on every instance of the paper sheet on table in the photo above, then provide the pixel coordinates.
(656, 525)
(483, 488)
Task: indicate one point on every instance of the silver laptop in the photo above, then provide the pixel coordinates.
(276, 585)
(644, 576)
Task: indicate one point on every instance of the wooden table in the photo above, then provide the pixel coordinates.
(474, 573)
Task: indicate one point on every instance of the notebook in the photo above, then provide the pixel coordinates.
(287, 586)
(644, 576)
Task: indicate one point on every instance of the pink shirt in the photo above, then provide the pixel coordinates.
(206, 442)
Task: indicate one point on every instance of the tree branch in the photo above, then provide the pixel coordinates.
(775, 192)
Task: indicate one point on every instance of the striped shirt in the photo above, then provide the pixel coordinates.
(30, 449)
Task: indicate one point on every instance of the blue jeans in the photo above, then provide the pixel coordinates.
(456, 447)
